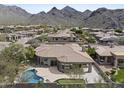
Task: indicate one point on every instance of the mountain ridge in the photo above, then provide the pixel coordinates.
(67, 16)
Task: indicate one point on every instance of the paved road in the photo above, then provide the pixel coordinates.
(26, 39)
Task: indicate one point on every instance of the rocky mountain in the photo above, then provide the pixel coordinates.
(100, 18)
(106, 18)
(86, 13)
(12, 15)
(66, 16)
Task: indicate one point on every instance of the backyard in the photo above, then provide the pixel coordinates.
(119, 77)
(52, 74)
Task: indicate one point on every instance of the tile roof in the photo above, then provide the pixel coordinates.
(107, 50)
(62, 33)
(64, 53)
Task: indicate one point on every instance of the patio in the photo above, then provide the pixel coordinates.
(51, 74)
(105, 68)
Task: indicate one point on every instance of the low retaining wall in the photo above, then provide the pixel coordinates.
(55, 85)
(25, 85)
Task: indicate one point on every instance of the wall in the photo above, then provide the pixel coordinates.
(61, 39)
(104, 76)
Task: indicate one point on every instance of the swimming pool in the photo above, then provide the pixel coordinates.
(30, 76)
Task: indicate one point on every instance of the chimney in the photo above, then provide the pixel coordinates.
(83, 49)
(71, 37)
(111, 45)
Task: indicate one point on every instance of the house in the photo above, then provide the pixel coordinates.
(20, 34)
(63, 56)
(108, 39)
(62, 36)
(111, 54)
(86, 29)
(105, 38)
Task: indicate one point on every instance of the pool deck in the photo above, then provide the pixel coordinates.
(51, 74)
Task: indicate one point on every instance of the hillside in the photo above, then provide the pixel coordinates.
(68, 16)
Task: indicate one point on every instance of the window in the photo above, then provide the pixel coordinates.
(62, 66)
(64, 39)
(102, 59)
(45, 59)
(56, 39)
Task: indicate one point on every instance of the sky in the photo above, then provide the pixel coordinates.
(36, 8)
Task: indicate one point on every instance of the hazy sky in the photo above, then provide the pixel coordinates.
(35, 8)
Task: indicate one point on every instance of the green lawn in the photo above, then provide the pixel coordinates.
(70, 81)
(119, 77)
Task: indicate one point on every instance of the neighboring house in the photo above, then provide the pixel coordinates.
(63, 56)
(119, 34)
(20, 34)
(1, 28)
(112, 54)
(105, 38)
(62, 36)
(92, 29)
(86, 29)
(108, 39)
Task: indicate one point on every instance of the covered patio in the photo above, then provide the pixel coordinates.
(66, 66)
(112, 54)
(118, 59)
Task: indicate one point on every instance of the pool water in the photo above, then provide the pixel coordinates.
(30, 76)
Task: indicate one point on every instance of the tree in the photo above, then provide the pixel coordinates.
(34, 43)
(8, 72)
(79, 27)
(91, 39)
(118, 31)
(30, 52)
(88, 37)
(55, 29)
(37, 41)
(2, 37)
(42, 38)
(15, 52)
(91, 51)
(11, 58)
(78, 31)
(73, 29)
